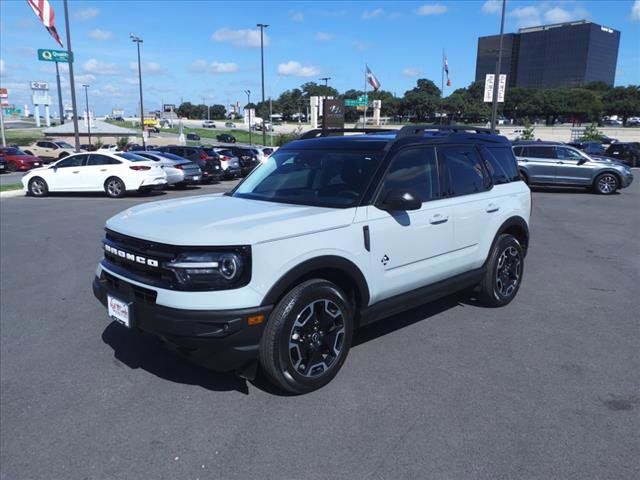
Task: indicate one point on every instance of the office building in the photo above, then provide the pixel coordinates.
(561, 55)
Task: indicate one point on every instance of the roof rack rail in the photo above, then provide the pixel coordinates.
(416, 130)
(325, 132)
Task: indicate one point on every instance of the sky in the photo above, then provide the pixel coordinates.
(195, 50)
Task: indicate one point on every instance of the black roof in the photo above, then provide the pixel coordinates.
(383, 139)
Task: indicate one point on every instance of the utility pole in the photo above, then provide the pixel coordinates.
(248, 92)
(60, 107)
(325, 80)
(72, 82)
(264, 131)
(496, 78)
(88, 115)
(138, 41)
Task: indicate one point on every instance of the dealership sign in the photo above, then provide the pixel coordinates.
(489, 85)
(39, 86)
(332, 113)
(46, 55)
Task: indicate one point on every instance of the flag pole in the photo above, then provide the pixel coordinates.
(366, 104)
(441, 85)
(72, 82)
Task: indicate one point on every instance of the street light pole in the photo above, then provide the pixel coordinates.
(88, 116)
(138, 41)
(248, 92)
(262, 27)
(496, 78)
(72, 82)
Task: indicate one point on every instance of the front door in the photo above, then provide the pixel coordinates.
(573, 168)
(408, 248)
(67, 173)
(99, 168)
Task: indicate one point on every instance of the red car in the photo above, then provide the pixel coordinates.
(18, 160)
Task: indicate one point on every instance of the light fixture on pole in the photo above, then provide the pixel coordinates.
(87, 114)
(262, 27)
(248, 92)
(138, 41)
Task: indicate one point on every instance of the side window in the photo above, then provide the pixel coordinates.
(541, 152)
(565, 153)
(43, 144)
(501, 163)
(52, 146)
(517, 151)
(74, 161)
(101, 160)
(463, 170)
(414, 169)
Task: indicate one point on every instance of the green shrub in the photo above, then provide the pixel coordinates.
(528, 133)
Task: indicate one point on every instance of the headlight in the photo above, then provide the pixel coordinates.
(211, 270)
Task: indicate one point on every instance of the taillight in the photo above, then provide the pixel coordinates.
(139, 167)
(179, 167)
(203, 155)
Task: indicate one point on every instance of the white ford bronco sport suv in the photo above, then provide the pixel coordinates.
(331, 232)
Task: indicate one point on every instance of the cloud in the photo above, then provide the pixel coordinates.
(98, 34)
(527, 16)
(635, 11)
(360, 46)
(431, 9)
(148, 68)
(296, 69)
(297, 16)
(85, 78)
(100, 68)
(411, 72)
(1, 67)
(201, 66)
(86, 14)
(560, 15)
(368, 15)
(324, 36)
(492, 6)
(240, 38)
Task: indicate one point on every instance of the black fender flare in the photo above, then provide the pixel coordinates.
(333, 263)
(515, 222)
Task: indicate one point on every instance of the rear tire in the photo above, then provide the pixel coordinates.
(606, 183)
(503, 277)
(307, 337)
(38, 187)
(12, 167)
(62, 155)
(114, 187)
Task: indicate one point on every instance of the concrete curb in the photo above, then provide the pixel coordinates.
(12, 193)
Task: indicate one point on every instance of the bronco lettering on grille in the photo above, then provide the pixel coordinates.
(131, 257)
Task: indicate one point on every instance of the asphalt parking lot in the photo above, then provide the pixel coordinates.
(547, 387)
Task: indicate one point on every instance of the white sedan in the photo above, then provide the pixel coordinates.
(114, 173)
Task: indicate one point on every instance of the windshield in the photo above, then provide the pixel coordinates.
(172, 156)
(64, 145)
(13, 151)
(323, 178)
(132, 157)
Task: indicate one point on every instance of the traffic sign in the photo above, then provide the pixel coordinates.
(61, 56)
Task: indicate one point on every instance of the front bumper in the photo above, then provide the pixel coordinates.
(627, 178)
(221, 340)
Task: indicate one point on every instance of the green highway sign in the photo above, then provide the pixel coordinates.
(361, 101)
(46, 55)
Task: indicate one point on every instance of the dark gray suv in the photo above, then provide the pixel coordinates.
(551, 164)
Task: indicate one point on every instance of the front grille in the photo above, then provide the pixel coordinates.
(120, 286)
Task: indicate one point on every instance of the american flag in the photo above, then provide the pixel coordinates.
(45, 13)
(446, 70)
(371, 78)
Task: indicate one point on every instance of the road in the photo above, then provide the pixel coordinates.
(547, 387)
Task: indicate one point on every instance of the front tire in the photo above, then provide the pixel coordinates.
(503, 277)
(307, 337)
(38, 187)
(12, 167)
(606, 183)
(114, 187)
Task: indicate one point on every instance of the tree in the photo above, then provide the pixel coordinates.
(622, 101)
(421, 102)
(592, 133)
(218, 111)
(528, 131)
(312, 89)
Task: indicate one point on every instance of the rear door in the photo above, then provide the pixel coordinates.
(409, 248)
(540, 162)
(99, 168)
(475, 204)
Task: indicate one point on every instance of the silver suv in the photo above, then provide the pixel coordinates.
(556, 164)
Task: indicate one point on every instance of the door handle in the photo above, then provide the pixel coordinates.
(525, 160)
(560, 163)
(103, 169)
(76, 171)
(492, 207)
(438, 219)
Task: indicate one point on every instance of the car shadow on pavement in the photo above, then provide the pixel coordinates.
(401, 320)
(154, 193)
(553, 189)
(137, 350)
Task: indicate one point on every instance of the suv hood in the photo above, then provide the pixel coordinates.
(607, 160)
(215, 220)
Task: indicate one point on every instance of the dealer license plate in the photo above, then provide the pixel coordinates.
(119, 311)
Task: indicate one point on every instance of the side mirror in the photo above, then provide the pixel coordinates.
(400, 200)
(54, 168)
(582, 161)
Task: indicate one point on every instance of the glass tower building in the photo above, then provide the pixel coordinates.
(552, 56)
